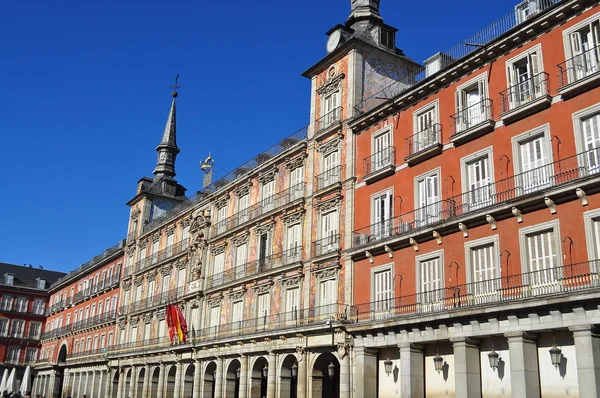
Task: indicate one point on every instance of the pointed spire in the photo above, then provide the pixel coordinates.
(167, 149)
(363, 13)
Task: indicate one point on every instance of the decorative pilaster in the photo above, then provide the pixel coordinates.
(146, 385)
(524, 374)
(178, 374)
(587, 355)
(219, 378)
(412, 375)
(197, 379)
(272, 376)
(467, 370)
(365, 380)
(301, 356)
(243, 376)
(161, 381)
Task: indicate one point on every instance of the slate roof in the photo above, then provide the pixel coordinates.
(26, 276)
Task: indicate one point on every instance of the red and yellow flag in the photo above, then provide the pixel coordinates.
(176, 323)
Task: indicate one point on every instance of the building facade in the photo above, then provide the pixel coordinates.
(24, 292)
(407, 242)
(80, 327)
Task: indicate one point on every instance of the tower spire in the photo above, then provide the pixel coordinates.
(167, 149)
(363, 13)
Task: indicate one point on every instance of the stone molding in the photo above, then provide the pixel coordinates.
(267, 175)
(135, 214)
(218, 249)
(329, 146)
(293, 218)
(241, 239)
(151, 276)
(166, 269)
(264, 228)
(170, 230)
(222, 201)
(332, 84)
(296, 162)
(329, 204)
(156, 237)
(181, 264)
(243, 190)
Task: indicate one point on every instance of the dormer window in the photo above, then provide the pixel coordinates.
(9, 279)
(41, 283)
(386, 38)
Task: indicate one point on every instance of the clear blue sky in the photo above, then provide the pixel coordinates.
(85, 96)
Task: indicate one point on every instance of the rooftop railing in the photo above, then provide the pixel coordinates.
(550, 281)
(524, 92)
(536, 180)
(329, 119)
(579, 67)
(329, 177)
(424, 139)
(472, 116)
(255, 267)
(164, 254)
(380, 160)
(153, 301)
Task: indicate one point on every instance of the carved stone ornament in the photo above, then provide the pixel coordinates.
(300, 350)
(166, 269)
(240, 239)
(222, 201)
(170, 230)
(156, 237)
(131, 250)
(296, 162)
(185, 222)
(181, 264)
(195, 303)
(214, 301)
(329, 146)
(331, 85)
(139, 281)
(342, 350)
(293, 218)
(329, 204)
(236, 295)
(123, 323)
(218, 249)
(243, 190)
(135, 214)
(262, 288)
(143, 244)
(196, 271)
(264, 228)
(267, 176)
(151, 276)
(326, 273)
(148, 317)
(126, 285)
(292, 281)
(161, 315)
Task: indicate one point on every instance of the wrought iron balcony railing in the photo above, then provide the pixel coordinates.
(127, 272)
(162, 255)
(327, 245)
(88, 353)
(423, 140)
(329, 177)
(261, 208)
(58, 332)
(380, 160)
(329, 119)
(524, 92)
(536, 180)
(472, 116)
(90, 291)
(579, 67)
(255, 267)
(550, 281)
(151, 302)
(96, 320)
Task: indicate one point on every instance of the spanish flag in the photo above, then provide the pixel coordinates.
(176, 323)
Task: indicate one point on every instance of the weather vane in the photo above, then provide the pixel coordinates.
(176, 86)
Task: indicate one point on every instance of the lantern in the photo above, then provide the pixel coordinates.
(438, 362)
(294, 370)
(555, 355)
(265, 372)
(238, 372)
(493, 357)
(388, 364)
(331, 370)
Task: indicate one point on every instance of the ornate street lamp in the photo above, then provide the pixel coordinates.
(331, 370)
(238, 373)
(438, 362)
(265, 372)
(493, 357)
(555, 353)
(294, 371)
(388, 365)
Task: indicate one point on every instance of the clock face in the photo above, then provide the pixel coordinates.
(334, 41)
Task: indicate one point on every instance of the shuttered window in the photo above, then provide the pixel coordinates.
(237, 310)
(428, 197)
(292, 303)
(328, 292)
(478, 181)
(590, 127)
(541, 249)
(382, 214)
(431, 274)
(533, 158)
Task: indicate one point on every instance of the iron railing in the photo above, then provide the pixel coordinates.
(327, 245)
(93, 321)
(127, 272)
(239, 172)
(380, 160)
(540, 283)
(255, 267)
(87, 353)
(329, 119)
(265, 206)
(162, 255)
(424, 139)
(107, 283)
(524, 92)
(579, 67)
(472, 116)
(7, 306)
(58, 332)
(151, 302)
(329, 177)
(536, 180)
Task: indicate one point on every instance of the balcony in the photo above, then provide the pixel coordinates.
(472, 122)
(94, 321)
(151, 302)
(331, 179)
(265, 206)
(91, 291)
(255, 267)
(538, 180)
(424, 145)
(87, 356)
(56, 333)
(525, 98)
(565, 279)
(380, 165)
(162, 255)
(8, 307)
(280, 322)
(580, 73)
(328, 123)
(325, 247)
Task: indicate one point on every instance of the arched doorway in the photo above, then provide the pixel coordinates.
(171, 381)
(60, 371)
(326, 377)
(140, 383)
(188, 381)
(288, 385)
(232, 379)
(115, 385)
(210, 374)
(259, 374)
(154, 382)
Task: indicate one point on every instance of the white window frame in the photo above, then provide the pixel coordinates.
(593, 247)
(380, 160)
(512, 82)
(388, 224)
(432, 105)
(379, 306)
(290, 312)
(437, 303)
(516, 141)
(244, 258)
(233, 304)
(286, 244)
(567, 45)
(417, 197)
(578, 130)
(481, 81)
(523, 232)
(465, 183)
(325, 120)
(320, 282)
(474, 244)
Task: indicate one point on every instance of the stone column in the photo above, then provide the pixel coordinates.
(133, 382)
(161, 381)
(524, 373)
(467, 367)
(178, 372)
(103, 382)
(146, 385)
(365, 366)
(108, 387)
(302, 363)
(271, 377)
(587, 354)
(412, 365)
(197, 378)
(80, 376)
(219, 379)
(92, 385)
(120, 384)
(243, 376)
(66, 390)
(345, 374)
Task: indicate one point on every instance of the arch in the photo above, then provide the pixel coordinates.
(188, 380)
(232, 379)
(288, 383)
(115, 385)
(209, 380)
(155, 375)
(140, 383)
(62, 354)
(322, 384)
(258, 383)
(170, 381)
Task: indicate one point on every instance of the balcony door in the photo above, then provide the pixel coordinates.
(329, 232)
(429, 200)
(533, 159)
(237, 309)
(585, 50)
(478, 180)
(522, 83)
(267, 196)
(383, 293)
(330, 105)
(330, 164)
(294, 242)
(591, 139)
(292, 304)
(382, 215)
(381, 153)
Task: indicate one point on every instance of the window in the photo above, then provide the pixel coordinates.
(68, 319)
(540, 257)
(95, 346)
(327, 295)
(329, 241)
(30, 355)
(100, 305)
(293, 240)
(264, 247)
(218, 264)
(386, 37)
(586, 124)
(471, 104)
(331, 175)
(18, 327)
(477, 179)
(155, 246)
(381, 214)
(583, 49)
(243, 205)
(523, 78)
(483, 267)
(169, 244)
(34, 329)
(142, 256)
(7, 302)
(181, 277)
(237, 311)
(382, 291)
(221, 217)
(292, 303)
(165, 283)
(529, 8)
(133, 334)
(3, 327)
(267, 192)
(149, 294)
(532, 154)
(592, 232)
(426, 134)
(103, 341)
(214, 320)
(9, 279)
(263, 308)
(382, 155)
(13, 354)
(331, 112)
(41, 283)
(428, 198)
(185, 232)
(430, 280)
(110, 339)
(297, 182)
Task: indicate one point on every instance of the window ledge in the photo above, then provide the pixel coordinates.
(526, 109)
(424, 154)
(379, 174)
(580, 86)
(329, 130)
(473, 132)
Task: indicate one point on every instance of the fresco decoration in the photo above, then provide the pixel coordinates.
(383, 80)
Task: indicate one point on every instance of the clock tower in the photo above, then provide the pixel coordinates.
(363, 13)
